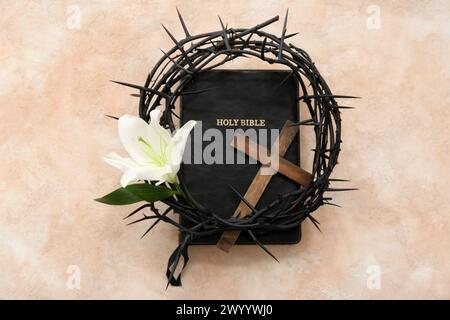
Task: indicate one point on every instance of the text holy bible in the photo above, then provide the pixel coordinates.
(256, 103)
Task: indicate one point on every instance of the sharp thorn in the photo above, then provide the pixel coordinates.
(170, 34)
(342, 107)
(137, 210)
(285, 79)
(176, 63)
(332, 204)
(307, 97)
(261, 245)
(263, 47)
(283, 34)
(214, 45)
(248, 40)
(221, 22)
(151, 227)
(242, 198)
(180, 47)
(112, 117)
(138, 220)
(315, 222)
(225, 36)
(142, 88)
(185, 29)
(340, 189)
(175, 115)
(291, 35)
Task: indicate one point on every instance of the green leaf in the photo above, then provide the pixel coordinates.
(119, 197)
(136, 193)
(150, 193)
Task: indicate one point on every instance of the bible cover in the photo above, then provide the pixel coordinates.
(265, 95)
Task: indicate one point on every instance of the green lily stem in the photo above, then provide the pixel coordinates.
(181, 192)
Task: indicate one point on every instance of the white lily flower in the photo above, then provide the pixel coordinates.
(155, 154)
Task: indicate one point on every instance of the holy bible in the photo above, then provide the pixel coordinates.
(256, 103)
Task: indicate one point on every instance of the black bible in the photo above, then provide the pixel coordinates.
(238, 99)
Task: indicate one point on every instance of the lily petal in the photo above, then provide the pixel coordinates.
(177, 145)
(135, 171)
(130, 129)
(119, 162)
(163, 134)
(144, 142)
(127, 177)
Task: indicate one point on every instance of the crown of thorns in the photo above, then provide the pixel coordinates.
(195, 54)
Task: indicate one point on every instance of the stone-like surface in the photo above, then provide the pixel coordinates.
(54, 90)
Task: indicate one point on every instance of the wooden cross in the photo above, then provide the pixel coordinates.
(260, 182)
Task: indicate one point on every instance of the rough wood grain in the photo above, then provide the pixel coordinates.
(284, 166)
(259, 183)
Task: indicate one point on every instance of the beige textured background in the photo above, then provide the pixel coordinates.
(54, 91)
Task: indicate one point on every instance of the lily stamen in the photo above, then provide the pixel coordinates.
(154, 156)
